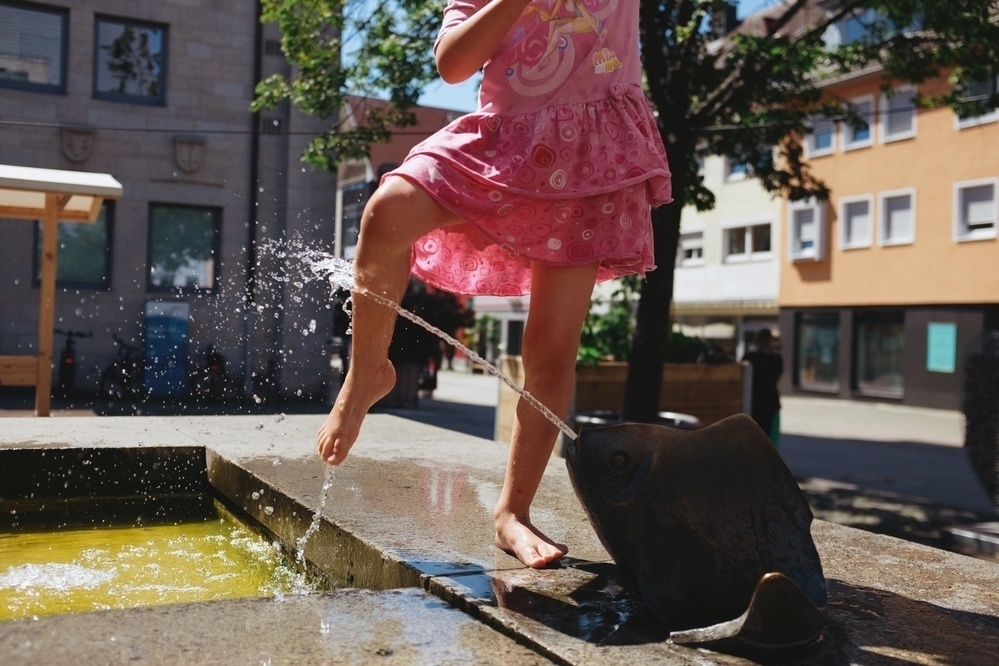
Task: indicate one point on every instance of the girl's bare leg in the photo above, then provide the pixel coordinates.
(560, 299)
(396, 216)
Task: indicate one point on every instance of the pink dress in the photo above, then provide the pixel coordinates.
(560, 163)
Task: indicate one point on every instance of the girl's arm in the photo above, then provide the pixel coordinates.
(466, 47)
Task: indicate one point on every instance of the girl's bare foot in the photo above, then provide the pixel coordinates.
(522, 540)
(342, 426)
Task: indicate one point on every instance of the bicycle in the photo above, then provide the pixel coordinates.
(121, 380)
(66, 384)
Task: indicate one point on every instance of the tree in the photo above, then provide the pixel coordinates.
(754, 90)
(746, 94)
(341, 48)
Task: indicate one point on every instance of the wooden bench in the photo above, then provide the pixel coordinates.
(18, 370)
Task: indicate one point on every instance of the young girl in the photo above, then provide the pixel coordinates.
(545, 189)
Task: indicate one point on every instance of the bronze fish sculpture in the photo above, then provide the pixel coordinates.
(709, 525)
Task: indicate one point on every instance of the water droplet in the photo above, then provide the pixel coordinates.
(269, 510)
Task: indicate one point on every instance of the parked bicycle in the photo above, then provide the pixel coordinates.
(66, 384)
(210, 382)
(122, 379)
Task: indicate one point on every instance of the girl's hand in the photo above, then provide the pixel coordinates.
(466, 47)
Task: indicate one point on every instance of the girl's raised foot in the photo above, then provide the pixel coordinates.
(360, 391)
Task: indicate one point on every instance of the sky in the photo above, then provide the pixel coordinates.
(462, 97)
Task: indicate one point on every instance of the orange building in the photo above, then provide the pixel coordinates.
(887, 288)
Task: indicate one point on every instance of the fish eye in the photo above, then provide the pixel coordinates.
(619, 460)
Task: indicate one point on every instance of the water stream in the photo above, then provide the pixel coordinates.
(340, 274)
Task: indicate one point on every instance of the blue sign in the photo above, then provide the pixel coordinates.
(166, 347)
(941, 347)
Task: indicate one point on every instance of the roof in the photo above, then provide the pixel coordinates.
(23, 192)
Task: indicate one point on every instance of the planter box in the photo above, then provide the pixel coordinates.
(709, 392)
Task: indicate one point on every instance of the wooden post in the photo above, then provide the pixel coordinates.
(46, 304)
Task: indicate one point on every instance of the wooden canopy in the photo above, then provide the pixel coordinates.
(50, 196)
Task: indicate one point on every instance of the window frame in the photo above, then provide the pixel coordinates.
(820, 121)
(217, 212)
(849, 142)
(682, 260)
(983, 119)
(846, 242)
(962, 234)
(104, 284)
(885, 111)
(47, 88)
(733, 172)
(129, 98)
(882, 216)
(746, 228)
(817, 251)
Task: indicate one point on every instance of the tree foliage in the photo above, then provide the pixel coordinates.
(342, 48)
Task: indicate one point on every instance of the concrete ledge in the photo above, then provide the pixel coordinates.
(413, 504)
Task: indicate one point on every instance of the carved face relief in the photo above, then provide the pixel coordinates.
(77, 144)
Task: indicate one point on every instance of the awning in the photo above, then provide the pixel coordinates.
(49, 196)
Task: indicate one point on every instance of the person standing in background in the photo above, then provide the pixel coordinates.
(768, 366)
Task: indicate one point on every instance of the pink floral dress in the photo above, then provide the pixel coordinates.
(560, 163)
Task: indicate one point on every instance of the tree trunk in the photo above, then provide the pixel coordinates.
(643, 386)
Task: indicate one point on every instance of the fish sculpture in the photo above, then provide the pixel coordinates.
(711, 528)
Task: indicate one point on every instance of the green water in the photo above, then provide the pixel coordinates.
(87, 569)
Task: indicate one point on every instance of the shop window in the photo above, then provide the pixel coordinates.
(855, 223)
(129, 61)
(976, 210)
(32, 47)
(879, 346)
(817, 351)
(898, 115)
(898, 217)
(83, 252)
(183, 248)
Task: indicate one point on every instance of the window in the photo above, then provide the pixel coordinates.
(83, 252)
(817, 351)
(807, 231)
(898, 217)
(32, 48)
(855, 224)
(976, 209)
(747, 242)
(860, 136)
(880, 343)
(129, 61)
(735, 170)
(980, 91)
(898, 115)
(820, 141)
(691, 248)
(183, 248)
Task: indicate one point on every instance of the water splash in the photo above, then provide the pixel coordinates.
(316, 518)
(340, 274)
